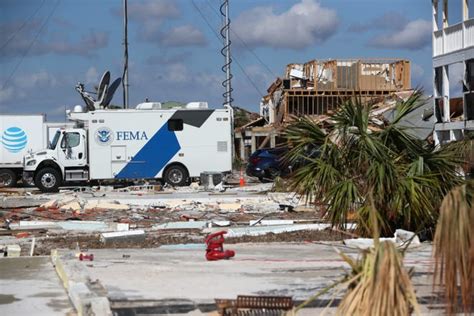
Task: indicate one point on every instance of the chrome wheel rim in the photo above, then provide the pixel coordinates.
(175, 176)
(6, 180)
(48, 180)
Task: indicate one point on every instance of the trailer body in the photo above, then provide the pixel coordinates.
(21, 134)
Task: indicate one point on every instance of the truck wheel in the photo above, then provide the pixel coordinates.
(176, 175)
(48, 180)
(7, 178)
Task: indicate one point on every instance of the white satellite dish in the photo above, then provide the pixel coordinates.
(103, 84)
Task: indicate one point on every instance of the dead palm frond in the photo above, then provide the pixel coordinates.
(382, 287)
(454, 248)
(378, 283)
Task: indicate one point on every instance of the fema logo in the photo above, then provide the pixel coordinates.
(104, 136)
(14, 139)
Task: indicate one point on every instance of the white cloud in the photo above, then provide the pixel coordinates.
(178, 73)
(6, 94)
(151, 18)
(87, 45)
(304, 24)
(415, 35)
(92, 76)
(156, 9)
(37, 79)
(183, 36)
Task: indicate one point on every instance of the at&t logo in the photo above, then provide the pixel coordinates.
(14, 139)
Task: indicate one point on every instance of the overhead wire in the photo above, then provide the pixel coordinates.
(46, 21)
(218, 38)
(22, 25)
(244, 43)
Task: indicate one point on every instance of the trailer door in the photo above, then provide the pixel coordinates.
(118, 158)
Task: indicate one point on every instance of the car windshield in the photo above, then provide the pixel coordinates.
(53, 144)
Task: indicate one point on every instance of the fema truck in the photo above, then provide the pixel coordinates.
(147, 142)
(21, 134)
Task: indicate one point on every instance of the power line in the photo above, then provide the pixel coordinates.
(245, 44)
(31, 45)
(235, 59)
(23, 25)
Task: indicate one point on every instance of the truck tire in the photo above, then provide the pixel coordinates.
(48, 180)
(8, 178)
(176, 175)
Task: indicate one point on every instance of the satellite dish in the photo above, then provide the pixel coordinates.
(103, 84)
(88, 100)
(99, 101)
(110, 92)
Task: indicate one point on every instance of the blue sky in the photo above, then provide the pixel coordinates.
(47, 46)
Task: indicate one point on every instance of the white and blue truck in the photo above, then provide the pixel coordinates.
(21, 134)
(146, 142)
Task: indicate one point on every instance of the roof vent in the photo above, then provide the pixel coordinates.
(149, 106)
(197, 105)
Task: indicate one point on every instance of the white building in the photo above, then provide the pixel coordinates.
(453, 69)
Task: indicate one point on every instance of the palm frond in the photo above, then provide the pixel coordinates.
(454, 248)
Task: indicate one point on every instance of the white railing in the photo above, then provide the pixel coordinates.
(453, 38)
(469, 33)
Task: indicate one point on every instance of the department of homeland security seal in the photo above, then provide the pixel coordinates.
(104, 136)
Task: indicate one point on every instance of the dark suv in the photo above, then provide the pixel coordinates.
(267, 163)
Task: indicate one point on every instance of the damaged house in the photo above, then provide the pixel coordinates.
(317, 88)
(453, 63)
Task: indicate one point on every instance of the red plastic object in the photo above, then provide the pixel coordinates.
(215, 247)
(83, 257)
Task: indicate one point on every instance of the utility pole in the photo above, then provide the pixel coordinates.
(125, 64)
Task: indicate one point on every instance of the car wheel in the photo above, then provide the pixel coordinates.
(273, 173)
(48, 180)
(7, 178)
(176, 175)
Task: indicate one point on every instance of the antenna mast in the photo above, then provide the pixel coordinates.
(125, 64)
(225, 51)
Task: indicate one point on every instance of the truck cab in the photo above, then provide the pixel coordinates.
(65, 159)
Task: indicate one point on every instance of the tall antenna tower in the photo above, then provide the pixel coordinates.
(225, 51)
(125, 63)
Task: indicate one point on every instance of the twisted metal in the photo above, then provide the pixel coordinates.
(225, 51)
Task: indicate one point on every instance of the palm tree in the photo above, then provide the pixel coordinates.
(361, 153)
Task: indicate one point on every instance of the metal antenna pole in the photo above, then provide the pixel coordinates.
(225, 31)
(125, 64)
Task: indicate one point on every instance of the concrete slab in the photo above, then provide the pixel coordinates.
(182, 275)
(30, 286)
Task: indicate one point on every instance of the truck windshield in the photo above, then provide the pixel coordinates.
(53, 144)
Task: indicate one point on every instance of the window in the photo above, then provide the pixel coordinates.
(53, 144)
(70, 140)
(175, 125)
